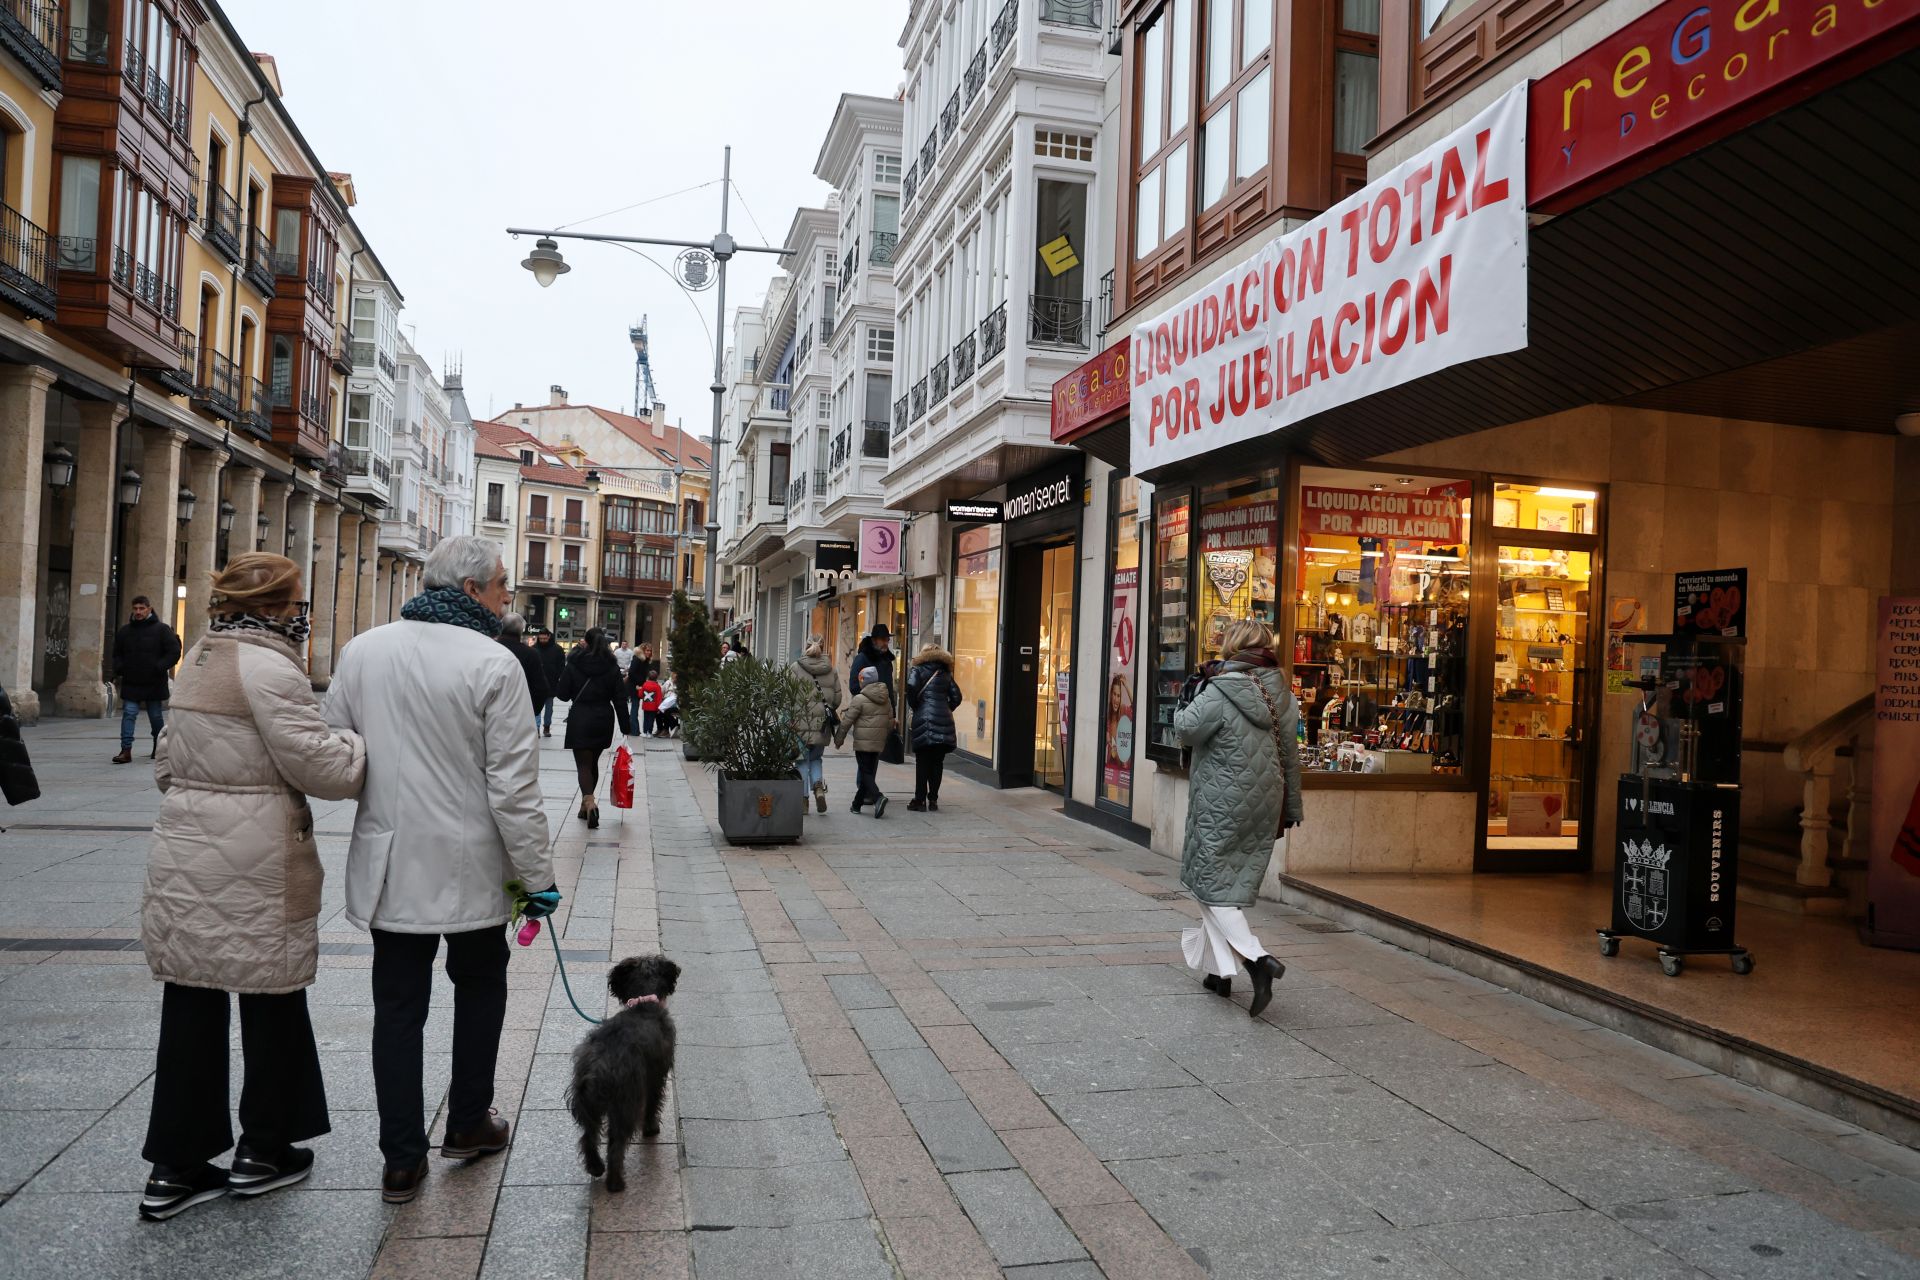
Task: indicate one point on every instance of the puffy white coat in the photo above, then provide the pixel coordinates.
(451, 809)
(233, 877)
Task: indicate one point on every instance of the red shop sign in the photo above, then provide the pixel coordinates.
(1689, 73)
(1094, 394)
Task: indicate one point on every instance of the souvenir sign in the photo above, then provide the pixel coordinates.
(1229, 570)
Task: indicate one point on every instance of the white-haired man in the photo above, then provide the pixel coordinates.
(450, 813)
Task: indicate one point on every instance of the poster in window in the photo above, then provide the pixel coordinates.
(1123, 647)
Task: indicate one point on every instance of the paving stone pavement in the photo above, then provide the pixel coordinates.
(942, 1045)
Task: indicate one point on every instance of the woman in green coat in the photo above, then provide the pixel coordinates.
(1244, 788)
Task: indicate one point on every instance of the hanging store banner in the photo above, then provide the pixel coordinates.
(1091, 395)
(1893, 859)
(880, 547)
(1431, 515)
(1690, 72)
(1422, 269)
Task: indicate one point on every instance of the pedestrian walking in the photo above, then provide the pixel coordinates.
(932, 694)
(1245, 791)
(451, 812)
(821, 717)
(145, 652)
(232, 900)
(553, 665)
(735, 652)
(868, 720)
(669, 718)
(17, 782)
(646, 695)
(592, 685)
(875, 651)
(513, 630)
(623, 657)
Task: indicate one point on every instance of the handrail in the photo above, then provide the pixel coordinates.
(1813, 753)
(1829, 735)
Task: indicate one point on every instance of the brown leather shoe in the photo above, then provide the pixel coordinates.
(400, 1184)
(487, 1139)
(125, 756)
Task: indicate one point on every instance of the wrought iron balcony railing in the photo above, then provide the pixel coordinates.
(1071, 13)
(257, 409)
(1059, 321)
(30, 31)
(26, 264)
(1005, 25)
(91, 44)
(260, 272)
(929, 150)
(819, 484)
(909, 185)
(937, 380)
(540, 524)
(796, 491)
(361, 353)
(874, 442)
(900, 416)
(976, 73)
(950, 117)
(884, 243)
(962, 360)
(993, 333)
(223, 221)
(387, 365)
(574, 528)
(1106, 303)
(538, 571)
(216, 384)
(919, 399)
(573, 573)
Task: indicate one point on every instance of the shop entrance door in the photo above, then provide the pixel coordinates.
(1538, 810)
(1038, 666)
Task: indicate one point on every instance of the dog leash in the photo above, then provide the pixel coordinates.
(519, 894)
(558, 960)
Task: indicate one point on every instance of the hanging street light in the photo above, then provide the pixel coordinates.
(187, 503)
(227, 512)
(545, 262)
(129, 488)
(59, 465)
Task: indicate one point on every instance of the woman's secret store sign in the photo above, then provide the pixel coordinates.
(1432, 515)
(1423, 269)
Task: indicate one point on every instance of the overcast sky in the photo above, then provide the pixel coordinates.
(458, 120)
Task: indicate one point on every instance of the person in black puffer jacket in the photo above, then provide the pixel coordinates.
(593, 685)
(932, 693)
(144, 654)
(17, 782)
(513, 630)
(553, 663)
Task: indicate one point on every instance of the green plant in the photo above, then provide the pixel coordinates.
(693, 649)
(750, 721)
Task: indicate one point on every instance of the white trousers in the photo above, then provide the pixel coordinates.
(1222, 935)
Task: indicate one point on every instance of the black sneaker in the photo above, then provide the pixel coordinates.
(169, 1191)
(257, 1171)
(880, 807)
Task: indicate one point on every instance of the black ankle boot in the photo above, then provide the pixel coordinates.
(1218, 985)
(1265, 972)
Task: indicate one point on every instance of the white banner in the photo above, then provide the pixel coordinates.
(1423, 269)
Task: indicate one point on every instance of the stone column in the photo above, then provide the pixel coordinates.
(346, 586)
(243, 491)
(274, 495)
(154, 560)
(383, 590)
(363, 608)
(23, 446)
(96, 483)
(322, 579)
(203, 538)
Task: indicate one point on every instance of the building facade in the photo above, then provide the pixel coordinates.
(173, 329)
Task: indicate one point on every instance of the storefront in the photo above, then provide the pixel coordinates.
(1013, 595)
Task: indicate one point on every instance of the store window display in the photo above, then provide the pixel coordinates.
(1381, 616)
(1118, 730)
(976, 635)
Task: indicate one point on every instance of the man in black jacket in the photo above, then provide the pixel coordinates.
(513, 630)
(553, 664)
(144, 654)
(876, 651)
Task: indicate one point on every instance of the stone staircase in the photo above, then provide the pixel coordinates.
(1818, 866)
(1770, 860)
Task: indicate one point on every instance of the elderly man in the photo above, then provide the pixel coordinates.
(450, 813)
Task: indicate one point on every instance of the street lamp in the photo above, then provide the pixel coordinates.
(187, 503)
(59, 466)
(261, 524)
(129, 488)
(547, 265)
(226, 516)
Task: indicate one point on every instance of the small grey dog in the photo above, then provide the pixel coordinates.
(620, 1070)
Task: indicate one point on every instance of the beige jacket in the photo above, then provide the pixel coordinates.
(867, 719)
(233, 879)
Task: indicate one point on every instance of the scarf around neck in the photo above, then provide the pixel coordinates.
(452, 606)
(292, 630)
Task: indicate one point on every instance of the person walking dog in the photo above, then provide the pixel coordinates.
(1241, 725)
(932, 693)
(592, 684)
(817, 725)
(144, 652)
(232, 902)
(451, 812)
(868, 720)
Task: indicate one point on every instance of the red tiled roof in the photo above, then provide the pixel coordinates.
(555, 473)
(670, 446)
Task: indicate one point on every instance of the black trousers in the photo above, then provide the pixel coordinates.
(865, 765)
(402, 989)
(283, 1099)
(928, 765)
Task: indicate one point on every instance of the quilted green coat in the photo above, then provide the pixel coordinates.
(1239, 781)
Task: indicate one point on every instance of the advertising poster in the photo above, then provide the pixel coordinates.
(1712, 602)
(1893, 858)
(1122, 649)
(1625, 617)
(880, 546)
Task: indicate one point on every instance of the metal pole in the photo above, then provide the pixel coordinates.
(719, 388)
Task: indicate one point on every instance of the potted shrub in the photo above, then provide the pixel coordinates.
(748, 732)
(693, 654)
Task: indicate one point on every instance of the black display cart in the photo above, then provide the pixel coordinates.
(1676, 862)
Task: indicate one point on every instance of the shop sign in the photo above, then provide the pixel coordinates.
(1431, 515)
(1418, 271)
(1688, 73)
(1091, 394)
(1243, 522)
(880, 546)
(1893, 860)
(973, 511)
(1712, 602)
(1048, 491)
(833, 557)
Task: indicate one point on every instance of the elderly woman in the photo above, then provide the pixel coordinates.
(233, 894)
(1245, 790)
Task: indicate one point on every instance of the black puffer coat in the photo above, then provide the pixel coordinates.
(553, 661)
(17, 782)
(592, 684)
(933, 694)
(530, 666)
(144, 653)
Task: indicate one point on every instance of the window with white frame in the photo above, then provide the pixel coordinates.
(886, 167)
(880, 344)
(359, 419)
(1055, 145)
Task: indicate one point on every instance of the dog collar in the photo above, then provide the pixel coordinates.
(643, 1000)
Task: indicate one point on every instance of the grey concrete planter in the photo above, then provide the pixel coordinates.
(762, 810)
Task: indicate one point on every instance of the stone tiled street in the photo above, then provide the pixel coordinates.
(945, 1045)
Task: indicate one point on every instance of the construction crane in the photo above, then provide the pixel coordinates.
(643, 392)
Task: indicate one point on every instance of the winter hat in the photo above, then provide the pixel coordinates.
(879, 632)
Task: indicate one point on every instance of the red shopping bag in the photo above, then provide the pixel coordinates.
(622, 778)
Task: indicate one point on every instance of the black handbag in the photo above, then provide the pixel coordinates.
(895, 752)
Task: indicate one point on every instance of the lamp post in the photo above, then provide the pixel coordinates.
(547, 265)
